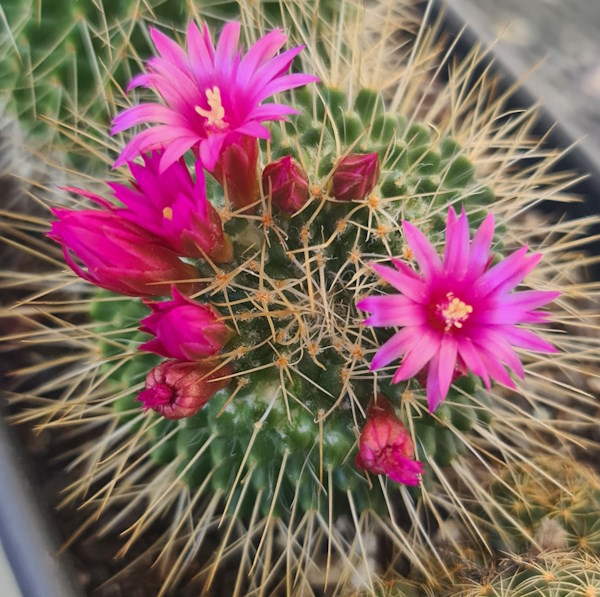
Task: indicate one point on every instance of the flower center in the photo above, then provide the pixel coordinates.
(214, 116)
(167, 213)
(454, 312)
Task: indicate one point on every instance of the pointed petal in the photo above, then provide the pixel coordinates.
(284, 83)
(210, 150)
(434, 396)
(425, 255)
(412, 287)
(201, 60)
(254, 129)
(416, 358)
(264, 49)
(522, 338)
(176, 149)
(468, 353)
(507, 274)
(169, 50)
(227, 47)
(447, 362)
(456, 253)
(495, 368)
(392, 310)
(480, 246)
(395, 347)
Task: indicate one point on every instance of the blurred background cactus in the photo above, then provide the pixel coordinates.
(262, 481)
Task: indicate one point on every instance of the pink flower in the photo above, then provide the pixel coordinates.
(178, 389)
(287, 183)
(119, 255)
(458, 312)
(184, 329)
(211, 96)
(385, 446)
(355, 176)
(174, 208)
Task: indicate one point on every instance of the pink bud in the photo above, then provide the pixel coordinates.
(355, 176)
(178, 389)
(287, 183)
(119, 255)
(235, 171)
(385, 446)
(184, 329)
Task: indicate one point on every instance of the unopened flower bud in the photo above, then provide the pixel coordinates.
(385, 446)
(184, 329)
(235, 170)
(355, 176)
(178, 389)
(287, 184)
(118, 255)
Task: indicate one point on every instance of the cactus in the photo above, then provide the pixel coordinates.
(562, 491)
(551, 574)
(267, 465)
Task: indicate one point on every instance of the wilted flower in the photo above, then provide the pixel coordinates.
(178, 389)
(184, 329)
(355, 176)
(385, 446)
(459, 311)
(212, 96)
(174, 208)
(119, 255)
(287, 182)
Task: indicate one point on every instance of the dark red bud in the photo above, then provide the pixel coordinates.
(355, 176)
(287, 183)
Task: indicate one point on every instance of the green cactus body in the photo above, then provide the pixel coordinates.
(556, 489)
(553, 574)
(299, 353)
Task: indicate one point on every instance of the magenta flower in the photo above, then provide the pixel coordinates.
(211, 96)
(385, 446)
(119, 255)
(459, 313)
(178, 389)
(185, 330)
(174, 208)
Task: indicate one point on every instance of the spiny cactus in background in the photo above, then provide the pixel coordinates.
(554, 500)
(248, 433)
(552, 574)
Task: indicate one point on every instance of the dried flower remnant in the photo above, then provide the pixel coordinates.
(179, 389)
(120, 256)
(212, 96)
(385, 446)
(184, 329)
(458, 311)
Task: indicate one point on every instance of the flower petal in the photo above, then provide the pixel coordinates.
(395, 347)
(424, 252)
(428, 344)
(411, 286)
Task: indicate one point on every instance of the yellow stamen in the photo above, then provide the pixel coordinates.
(215, 115)
(167, 213)
(455, 313)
